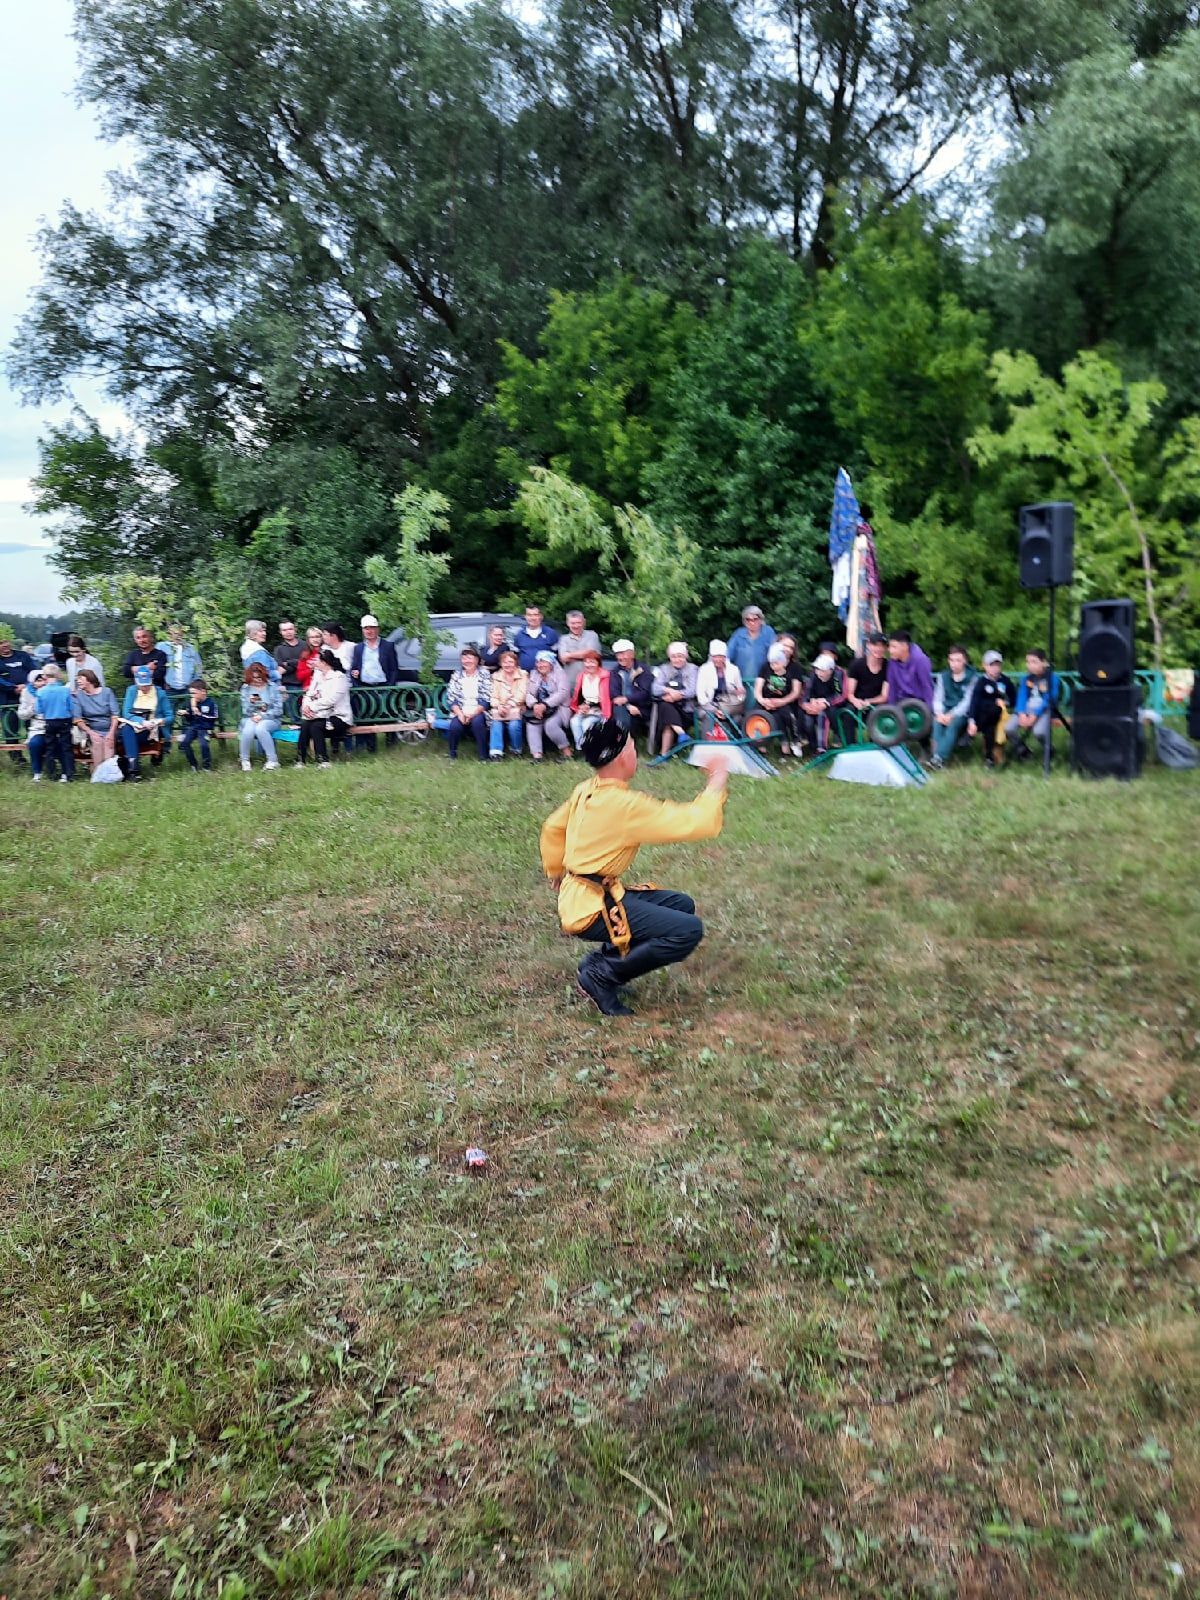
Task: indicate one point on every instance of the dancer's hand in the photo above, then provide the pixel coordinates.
(718, 771)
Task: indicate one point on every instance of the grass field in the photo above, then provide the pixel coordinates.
(864, 1261)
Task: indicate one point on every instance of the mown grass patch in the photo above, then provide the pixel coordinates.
(863, 1261)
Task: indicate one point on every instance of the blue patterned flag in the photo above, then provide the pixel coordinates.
(843, 525)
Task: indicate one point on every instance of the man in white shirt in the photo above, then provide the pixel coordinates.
(575, 645)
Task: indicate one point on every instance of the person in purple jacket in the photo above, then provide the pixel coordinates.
(909, 673)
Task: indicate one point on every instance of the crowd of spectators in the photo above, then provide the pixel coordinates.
(530, 690)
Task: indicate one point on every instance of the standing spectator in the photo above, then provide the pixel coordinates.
(183, 660)
(534, 636)
(910, 674)
(16, 667)
(57, 710)
(373, 665)
(820, 697)
(574, 646)
(951, 703)
(866, 686)
(200, 718)
(78, 658)
(629, 683)
(1037, 694)
(777, 690)
(146, 715)
(546, 706)
(287, 655)
(467, 700)
(509, 688)
(35, 723)
(674, 688)
(719, 686)
(497, 644)
(146, 653)
(314, 643)
(992, 696)
(95, 710)
(254, 648)
(591, 698)
(748, 645)
(325, 708)
(333, 637)
(262, 715)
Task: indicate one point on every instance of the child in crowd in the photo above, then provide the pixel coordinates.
(991, 698)
(823, 693)
(56, 707)
(200, 717)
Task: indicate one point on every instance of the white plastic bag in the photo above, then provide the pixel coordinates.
(108, 772)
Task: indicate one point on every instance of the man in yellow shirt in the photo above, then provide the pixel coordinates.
(593, 838)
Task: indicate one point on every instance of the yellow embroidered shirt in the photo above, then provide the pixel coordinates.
(599, 830)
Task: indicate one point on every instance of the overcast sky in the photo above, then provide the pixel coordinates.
(52, 153)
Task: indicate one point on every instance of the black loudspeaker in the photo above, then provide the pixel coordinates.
(1106, 738)
(1047, 550)
(1106, 642)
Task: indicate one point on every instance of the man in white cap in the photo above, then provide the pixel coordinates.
(992, 698)
(719, 686)
(373, 665)
(629, 683)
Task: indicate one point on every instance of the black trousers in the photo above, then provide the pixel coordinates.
(312, 732)
(987, 721)
(59, 746)
(665, 929)
(478, 726)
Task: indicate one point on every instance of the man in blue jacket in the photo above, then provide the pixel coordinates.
(534, 636)
(1037, 695)
(15, 669)
(373, 665)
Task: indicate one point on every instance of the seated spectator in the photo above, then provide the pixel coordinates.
(866, 686)
(254, 648)
(497, 643)
(1035, 693)
(787, 641)
(910, 673)
(146, 718)
(992, 697)
(96, 711)
(325, 708)
(183, 660)
(629, 689)
(951, 703)
(822, 695)
(200, 718)
(748, 645)
(591, 698)
(573, 648)
(146, 653)
(77, 659)
(719, 686)
(546, 708)
(777, 690)
(314, 643)
(16, 668)
(509, 688)
(534, 636)
(674, 688)
(35, 723)
(262, 715)
(468, 699)
(373, 665)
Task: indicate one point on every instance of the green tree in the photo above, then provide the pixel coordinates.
(647, 573)
(747, 467)
(1094, 439)
(402, 589)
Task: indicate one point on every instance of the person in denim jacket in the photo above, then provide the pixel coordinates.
(262, 716)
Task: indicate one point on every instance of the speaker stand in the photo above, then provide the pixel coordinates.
(1046, 752)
